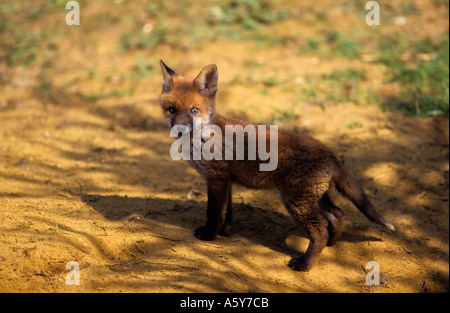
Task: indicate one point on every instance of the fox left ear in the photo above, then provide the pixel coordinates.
(206, 81)
(168, 74)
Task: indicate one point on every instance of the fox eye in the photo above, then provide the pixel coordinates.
(172, 110)
(194, 111)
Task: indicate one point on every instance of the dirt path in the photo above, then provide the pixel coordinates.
(77, 186)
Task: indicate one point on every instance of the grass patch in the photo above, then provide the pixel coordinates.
(340, 86)
(271, 82)
(283, 116)
(422, 71)
(332, 43)
(20, 45)
(235, 20)
(138, 39)
(99, 96)
(248, 13)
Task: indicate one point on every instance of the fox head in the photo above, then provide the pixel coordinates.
(183, 99)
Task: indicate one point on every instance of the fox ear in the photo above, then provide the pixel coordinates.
(206, 81)
(168, 74)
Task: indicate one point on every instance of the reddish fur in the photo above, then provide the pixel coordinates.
(306, 169)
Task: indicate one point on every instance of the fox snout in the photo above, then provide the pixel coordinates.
(182, 128)
(181, 121)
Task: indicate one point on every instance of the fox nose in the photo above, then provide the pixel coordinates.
(181, 128)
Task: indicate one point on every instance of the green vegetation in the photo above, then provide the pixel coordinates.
(422, 70)
(415, 66)
(141, 40)
(247, 13)
(22, 46)
(332, 44)
(340, 86)
(234, 20)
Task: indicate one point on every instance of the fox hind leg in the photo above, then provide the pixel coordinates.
(307, 213)
(334, 216)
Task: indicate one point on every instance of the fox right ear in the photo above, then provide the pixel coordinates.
(168, 74)
(206, 81)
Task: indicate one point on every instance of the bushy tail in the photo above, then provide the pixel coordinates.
(349, 187)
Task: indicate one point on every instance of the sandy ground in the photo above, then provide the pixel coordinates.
(96, 185)
(93, 182)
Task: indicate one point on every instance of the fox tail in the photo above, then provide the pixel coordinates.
(347, 185)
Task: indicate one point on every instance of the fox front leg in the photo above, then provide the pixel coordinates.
(218, 198)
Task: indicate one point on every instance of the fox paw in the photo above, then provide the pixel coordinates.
(227, 230)
(204, 233)
(299, 264)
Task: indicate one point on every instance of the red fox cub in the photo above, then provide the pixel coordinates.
(303, 172)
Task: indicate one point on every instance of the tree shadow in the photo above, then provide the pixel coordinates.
(251, 222)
